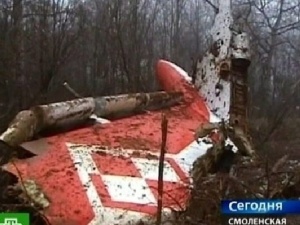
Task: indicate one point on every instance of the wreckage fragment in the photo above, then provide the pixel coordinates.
(220, 155)
(28, 123)
(241, 141)
(250, 179)
(221, 76)
(209, 162)
(205, 129)
(212, 74)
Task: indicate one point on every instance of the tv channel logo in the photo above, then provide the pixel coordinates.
(14, 218)
(260, 206)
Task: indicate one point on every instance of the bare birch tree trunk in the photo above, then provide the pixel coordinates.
(28, 123)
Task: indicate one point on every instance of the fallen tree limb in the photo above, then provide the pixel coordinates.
(28, 123)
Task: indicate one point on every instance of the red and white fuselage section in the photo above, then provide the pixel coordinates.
(107, 173)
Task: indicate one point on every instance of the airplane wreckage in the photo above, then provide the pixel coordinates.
(145, 160)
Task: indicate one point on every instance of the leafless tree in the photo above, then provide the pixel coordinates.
(108, 47)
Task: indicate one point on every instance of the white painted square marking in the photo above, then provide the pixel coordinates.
(149, 169)
(84, 158)
(129, 189)
(189, 154)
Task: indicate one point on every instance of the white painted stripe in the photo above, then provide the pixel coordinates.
(129, 189)
(91, 192)
(106, 215)
(112, 216)
(149, 169)
(189, 154)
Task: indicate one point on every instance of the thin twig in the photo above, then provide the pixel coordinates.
(231, 174)
(164, 131)
(71, 90)
(279, 163)
(21, 181)
(279, 117)
(174, 199)
(267, 194)
(246, 187)
(216, 9)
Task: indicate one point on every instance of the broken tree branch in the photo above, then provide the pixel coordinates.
(71, 90)
(28, 123)
(164, 132)
(216, 9)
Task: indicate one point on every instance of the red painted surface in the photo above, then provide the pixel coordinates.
(55, 173)
(175, 193)
(170, 81)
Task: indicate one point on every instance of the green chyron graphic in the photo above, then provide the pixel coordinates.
(14, 219)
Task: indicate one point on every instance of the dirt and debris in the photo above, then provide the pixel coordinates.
(247, 179)
(12, 199)
(243, 177)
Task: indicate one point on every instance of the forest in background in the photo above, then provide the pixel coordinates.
(107, 47)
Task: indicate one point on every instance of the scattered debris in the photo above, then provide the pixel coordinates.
(12, 199)
(35, 194)
(247, 179)
(225, 132)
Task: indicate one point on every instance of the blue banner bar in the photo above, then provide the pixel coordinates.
(260, 206)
